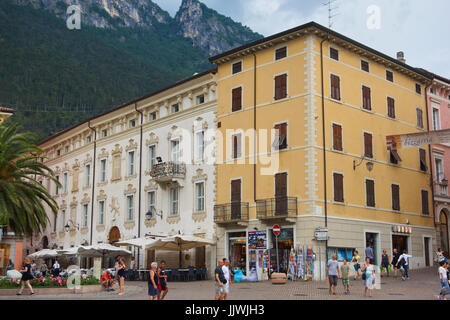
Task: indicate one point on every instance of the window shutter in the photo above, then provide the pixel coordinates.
(425, 209)
(235, 147)
(283, 136)
(281, 185)
(423, 161)
(236, 99)
(368, 152)
(281, 87)
(370, 193)
(337, 137)
(236, 191)
(338, 187)
(367, 103)
(335, 87)
(419, 118)
(395, 197)
(277, 88)
(391, 107)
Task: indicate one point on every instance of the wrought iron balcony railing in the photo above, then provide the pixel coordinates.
(167, 171)
(280, 207)
(231, 212)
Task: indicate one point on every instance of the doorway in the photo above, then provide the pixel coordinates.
(285, 244)
(372, 240)
(426, 246)
(400, 243)
(237, 244)
(443, 227)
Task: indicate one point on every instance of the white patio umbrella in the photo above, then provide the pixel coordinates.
(142, 243)
(102, 250)
(43, 254)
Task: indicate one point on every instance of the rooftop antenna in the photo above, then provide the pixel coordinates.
(331, 11)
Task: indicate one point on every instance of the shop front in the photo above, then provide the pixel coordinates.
(400, 238)
(285, 244)
(237, 250)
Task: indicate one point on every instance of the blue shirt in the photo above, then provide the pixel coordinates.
(369, 253)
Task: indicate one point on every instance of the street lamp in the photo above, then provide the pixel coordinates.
(153, 212)
(369, 164)
(67, 226)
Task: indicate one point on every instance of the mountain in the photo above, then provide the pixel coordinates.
(209, 30)
(55, 77)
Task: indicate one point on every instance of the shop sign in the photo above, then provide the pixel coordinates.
(257, 240)
(402, 229)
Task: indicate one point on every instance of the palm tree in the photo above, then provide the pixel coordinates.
(22, 197)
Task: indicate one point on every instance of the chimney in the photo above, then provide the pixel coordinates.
(401, 56)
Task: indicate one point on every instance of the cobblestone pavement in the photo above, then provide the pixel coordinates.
(422, 285)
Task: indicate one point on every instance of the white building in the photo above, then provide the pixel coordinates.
(110, 175)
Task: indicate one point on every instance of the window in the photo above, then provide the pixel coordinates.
(395, 191)
(117, 166)
(425, 207)
(370, 193)
(281, 87)
(56, 186)
(436, 119)
(151, 202)
(85, 215)
(338, 180)
(131, 163)
(394, 158)
(104, 133)
(418, 88)
(65, 182)
(200, 143)
(103, 170)
(151, 156)
(101, 212)
(432, 90)
(175, 151)
(280, 142)
(335, 87)
(201, 99)
(423, 160)
(439, 168)
(389, 76)
(334, 54)
(66, 149)
(236, 103)
(132, 123)
(87, 175)
(391, 107)
(237, 67)
(152, 116)
(63, 219)
(175, 108)
(337, 137)
(88, 139)
(368, 148)
(365, 66)
(199, 196)
(55, 222)
(130, 207)
(280, 53)
(367, 100)
(173, 201)
(419, 118)
(236, 146)
(58, 152)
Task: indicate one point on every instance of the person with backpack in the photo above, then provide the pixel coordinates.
(395, 257)
(403, 262)
(220, 280)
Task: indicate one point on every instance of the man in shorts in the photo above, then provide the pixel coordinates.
(107, 281)
(227, 274)
(162, 284)
(219, 280)
(333, 273)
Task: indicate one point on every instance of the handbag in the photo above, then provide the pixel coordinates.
(364, 276)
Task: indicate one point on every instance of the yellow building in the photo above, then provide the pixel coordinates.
(368, 195)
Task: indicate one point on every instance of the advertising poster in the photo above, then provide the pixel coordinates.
(257, 240)
(97, 267)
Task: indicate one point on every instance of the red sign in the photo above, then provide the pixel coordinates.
(276, 230)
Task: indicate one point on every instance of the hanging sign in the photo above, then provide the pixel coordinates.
(417, 139)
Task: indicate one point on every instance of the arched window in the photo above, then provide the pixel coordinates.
(444, 232)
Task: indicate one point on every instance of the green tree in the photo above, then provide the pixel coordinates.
(22, 197)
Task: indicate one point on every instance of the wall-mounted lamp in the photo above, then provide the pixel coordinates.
(152, 213)
(369, 164)
(67, 226)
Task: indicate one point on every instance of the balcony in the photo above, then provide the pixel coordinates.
(231, 212)
(441, 189)
(168, 172)
(275, 208)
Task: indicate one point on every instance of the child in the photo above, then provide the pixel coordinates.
(345, 271)
(445, 289)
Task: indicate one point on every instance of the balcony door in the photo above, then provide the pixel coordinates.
(281, 201)
(235, 199)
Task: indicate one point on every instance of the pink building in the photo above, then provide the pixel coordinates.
(439, 119)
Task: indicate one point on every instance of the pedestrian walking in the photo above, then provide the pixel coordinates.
(395, 257)
(384, 263)
(356, 264)
(121, 267)
(56, 269)
(153, 281)
(162, 281)
(440, 256)
(403, 261)
(219, 280)
(26, 277)
(132, 264)
(369, 253)
(345, 272)
(443, 279)
(227, 275)
(368, 275)
(332, 273)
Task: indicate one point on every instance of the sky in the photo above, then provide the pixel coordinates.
(421, 29)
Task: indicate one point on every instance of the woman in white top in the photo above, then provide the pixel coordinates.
(56, 269)
(369, 271)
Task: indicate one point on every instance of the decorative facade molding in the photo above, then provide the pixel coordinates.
(200, 176)
(84, 230)
(100, 228)
(149, 223)
(151, 186)
(117, 150)
(153, 139)
(132, 145)
(103, 154)
(88, 159)
(63, 205)
(129, 224)
(114, 207)
(74, 203)
(101, 195)
(86, 199)
(173, 219)
(199, 216)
